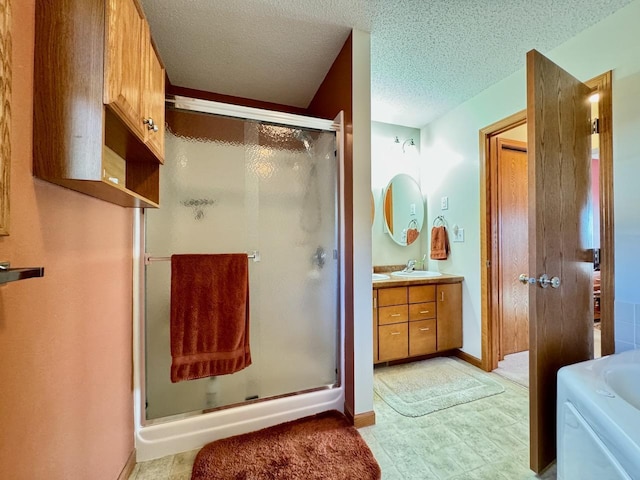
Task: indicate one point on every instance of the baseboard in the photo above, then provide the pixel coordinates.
(360, 420)
(128, 467)
(476, 362)
(366, 419)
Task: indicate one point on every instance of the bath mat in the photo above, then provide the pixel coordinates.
(323, 446)
(418, 388)
(515, 367)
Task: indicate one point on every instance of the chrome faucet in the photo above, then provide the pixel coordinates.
(411, 264)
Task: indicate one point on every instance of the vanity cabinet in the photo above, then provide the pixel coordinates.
(99, 100)
(415, 320)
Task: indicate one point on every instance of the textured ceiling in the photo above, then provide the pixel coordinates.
(426, 56)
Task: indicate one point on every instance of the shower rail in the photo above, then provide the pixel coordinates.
(254, 255)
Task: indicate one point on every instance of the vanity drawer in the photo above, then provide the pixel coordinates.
(422, 293)
(421, 311)
(393, 314)
(393, 342)
(392, 296)
(422, 337)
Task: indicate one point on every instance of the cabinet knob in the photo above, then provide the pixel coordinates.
(150, 124)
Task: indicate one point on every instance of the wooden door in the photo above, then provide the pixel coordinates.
(155, 103)
(449, 316)
(560, 319)
(513, 240)
(125, 51)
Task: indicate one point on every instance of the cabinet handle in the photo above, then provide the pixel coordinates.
(442, 296)
(395, 333)
(424, 311)
(395, 315)
(424, 329)
(150, 124)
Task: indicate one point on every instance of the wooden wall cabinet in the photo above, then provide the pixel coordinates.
(98, 82)
(411, 321)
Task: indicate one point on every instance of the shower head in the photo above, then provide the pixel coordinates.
(304, 137)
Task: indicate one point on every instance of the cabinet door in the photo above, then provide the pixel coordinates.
(155, 103)
(125, 50)
(393, 342)
(449, 316)
(422, 337)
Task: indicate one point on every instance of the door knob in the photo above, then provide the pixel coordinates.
(524, 278)
(544, 280)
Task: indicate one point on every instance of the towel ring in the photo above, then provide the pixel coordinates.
(439, 221)
(413, 224)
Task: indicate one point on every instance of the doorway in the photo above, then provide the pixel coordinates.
(504, 308)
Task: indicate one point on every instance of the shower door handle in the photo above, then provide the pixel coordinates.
(319, 257)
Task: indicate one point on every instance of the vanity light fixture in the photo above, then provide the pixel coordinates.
(410, 142)
(404, 144)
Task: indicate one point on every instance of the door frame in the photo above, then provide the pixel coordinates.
(489, 258)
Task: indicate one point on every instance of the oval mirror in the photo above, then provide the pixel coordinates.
(403, 209)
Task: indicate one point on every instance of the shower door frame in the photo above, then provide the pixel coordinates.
(139, 247)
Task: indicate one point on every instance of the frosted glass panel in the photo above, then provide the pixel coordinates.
(228, 186)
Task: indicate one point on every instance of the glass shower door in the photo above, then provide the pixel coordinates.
(232, 185)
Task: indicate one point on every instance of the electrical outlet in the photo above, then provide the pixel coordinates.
(444, 203)
(458, 236)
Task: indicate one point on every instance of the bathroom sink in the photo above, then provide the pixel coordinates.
(416, 274)
(379, 276)
(622, 379)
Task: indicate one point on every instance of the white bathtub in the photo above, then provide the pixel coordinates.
(599, 419)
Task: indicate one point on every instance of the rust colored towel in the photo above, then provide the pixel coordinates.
(209, 315)
(412, 235)
(439, 243)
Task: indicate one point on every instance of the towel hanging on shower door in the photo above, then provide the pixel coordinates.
(209, 315)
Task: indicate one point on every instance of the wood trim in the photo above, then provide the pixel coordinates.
(366, 419)
(360, 420)
(128, 467)
(475, 361)
(488, 234)
(5, 114)
(602, 84)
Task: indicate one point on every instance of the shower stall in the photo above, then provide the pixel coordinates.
(239, 179)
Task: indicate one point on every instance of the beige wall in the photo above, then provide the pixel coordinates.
(65, 339)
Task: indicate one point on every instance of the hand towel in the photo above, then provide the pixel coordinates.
(439, 243)
(412, 235)
(209, 315)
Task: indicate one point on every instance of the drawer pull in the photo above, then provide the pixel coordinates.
(424, 311)
(395, 315)
(424, 329)
(395, 333)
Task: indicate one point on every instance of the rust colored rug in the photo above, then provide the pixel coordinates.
(321, 447)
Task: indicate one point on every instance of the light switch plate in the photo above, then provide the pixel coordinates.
(444, 203)
(458, 236)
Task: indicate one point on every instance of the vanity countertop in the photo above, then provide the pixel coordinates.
(406, 282)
